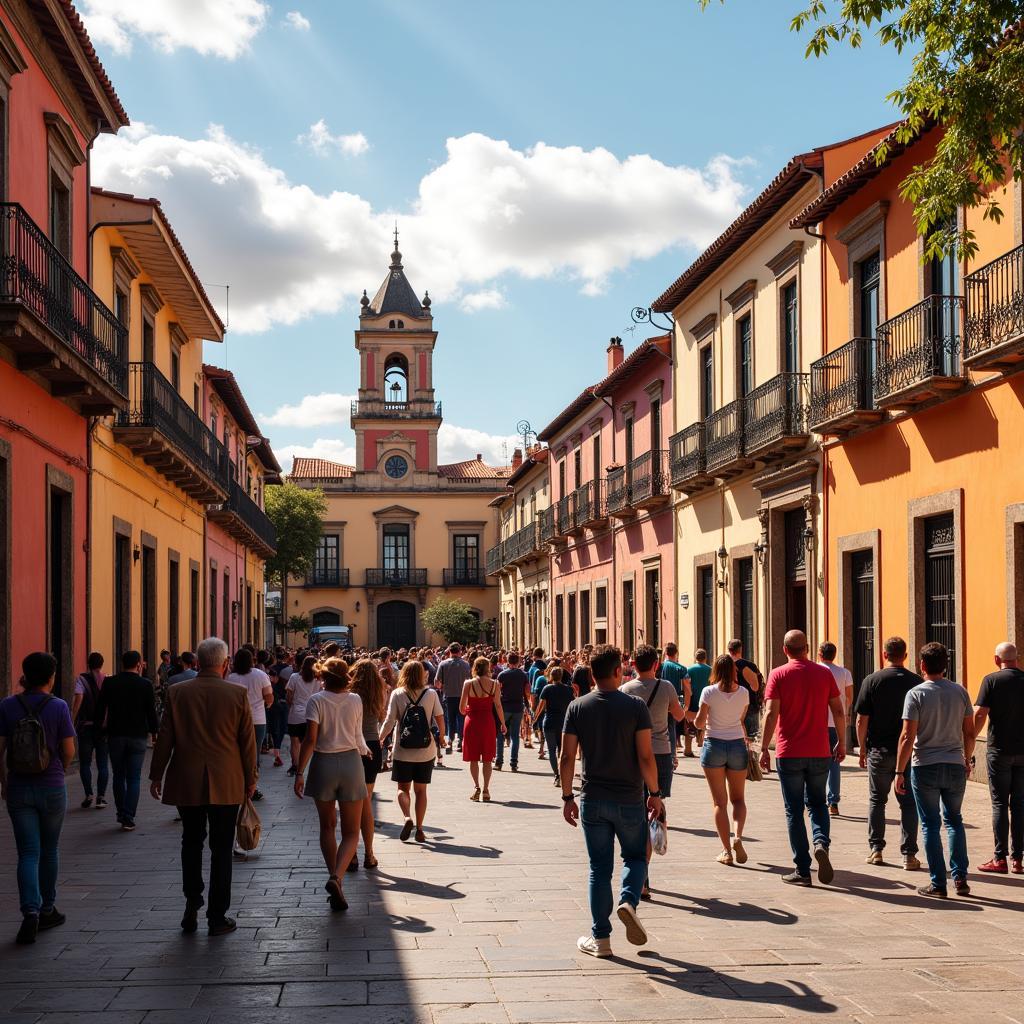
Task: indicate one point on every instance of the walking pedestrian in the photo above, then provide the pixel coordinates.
(799, 695)
(256, 684)
(481, 702)
(552, 705)
(188, 669)
(699, 674)
(515, 690)
(582, 677)
(92, 739)
(879, 709)
(204, 764)
(748, 675)
(300, 687)
(722, 718)
(334, 740)
(1001, 703)
(938, 730)
(277, 713)
(675, 672)
(613, 731)
(127, 709)
(32, 784)
(452, 674)
(413, 706)
(369, 686)
(844, 681)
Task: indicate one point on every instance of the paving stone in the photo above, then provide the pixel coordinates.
(327, 993)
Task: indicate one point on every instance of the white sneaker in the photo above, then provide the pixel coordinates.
(635, 931)
(594, 947)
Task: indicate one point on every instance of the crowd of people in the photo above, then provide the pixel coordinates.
(618, 725)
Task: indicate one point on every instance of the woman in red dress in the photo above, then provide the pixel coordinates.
(481, 700)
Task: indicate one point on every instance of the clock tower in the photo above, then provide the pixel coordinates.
(396, 417)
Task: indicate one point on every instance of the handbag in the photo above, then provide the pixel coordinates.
(248, 826)
(754, 773)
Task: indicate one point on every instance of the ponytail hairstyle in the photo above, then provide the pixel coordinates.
(723, 672)
(334, 673)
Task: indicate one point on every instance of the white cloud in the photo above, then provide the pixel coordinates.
(487, 298)
(456, 444)
(331, 449)
(320, 140)
(221, 28)
(298, 21)
(488, 212)
(312, 411)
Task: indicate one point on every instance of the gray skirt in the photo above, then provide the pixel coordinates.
(336, 776)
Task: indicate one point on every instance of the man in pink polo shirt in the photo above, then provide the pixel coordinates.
(799, 696)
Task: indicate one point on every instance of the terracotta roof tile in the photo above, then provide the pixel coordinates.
(472, 469)
(319, 469)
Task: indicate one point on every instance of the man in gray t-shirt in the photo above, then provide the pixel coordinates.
(938, 731)
(451, 674)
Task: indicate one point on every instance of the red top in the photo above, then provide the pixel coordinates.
(803, 690)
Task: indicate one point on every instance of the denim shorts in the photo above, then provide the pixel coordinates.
(730, 754)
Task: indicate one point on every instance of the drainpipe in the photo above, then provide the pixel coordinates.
(90, 426)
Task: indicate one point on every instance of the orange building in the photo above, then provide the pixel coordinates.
(920, 404)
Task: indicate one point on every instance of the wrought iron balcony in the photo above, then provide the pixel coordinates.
(54, 324)
(494, 560)
(775, 416)
(244, 520)
(688, 459)
(160, 427)
(994, 316)
(376, 408)
(650, 480)
(546, 519)
(463, 577)
(563, 516)
(917, 354)
(589, 505)
(617, 495)
(328, 578)
(842, 398)
(724, 440)
(396, 577)
(523, 544)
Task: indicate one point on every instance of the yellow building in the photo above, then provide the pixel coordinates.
(400, 529)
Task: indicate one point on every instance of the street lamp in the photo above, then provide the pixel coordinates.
(723, 560)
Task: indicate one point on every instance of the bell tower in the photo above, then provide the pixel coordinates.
(396, 418)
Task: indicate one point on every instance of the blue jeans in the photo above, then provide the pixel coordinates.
(752, 721)
(942, 785)
(834, 776)
(126, 756)
(92, 740)
(554, 741)
(37, 814)
(803, 782)
(277, 723)
(603, 822)
(452, 717)
(513, 720)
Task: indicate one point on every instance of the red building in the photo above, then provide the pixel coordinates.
(63, 353)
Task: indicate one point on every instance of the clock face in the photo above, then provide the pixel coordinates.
(396, 467)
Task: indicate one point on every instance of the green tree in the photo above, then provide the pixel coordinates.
(297, 515)
(451, 619)
(967, 75)
(299, 624)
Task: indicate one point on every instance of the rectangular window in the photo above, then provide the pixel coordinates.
(940, 586)
(572, 620)
(577, 467)
(3, 154)
(601, 603)
(745, 584)
(706, 610)
(628, 620)
(745, 356)
(195, 399)
(148, 595)
(707, 383)
(396, 547)
(326, 561)
(176, 371)
(559, 623)
(61, 607)
(249, 633)
(121, 306)
(598, 472)
(655, 424)
(561, 479)
(627, 427)
(193, 608)
(148, 342)
(869, 277)
(5, 555)
(173, 602)
(584, 617)
(652, 606)
(60, 216)
(467, 553)
(790, 330)
(226, 612)
(862, 576)
(122, 596)
(213, 603)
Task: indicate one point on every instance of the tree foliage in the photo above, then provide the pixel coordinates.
(297, 515)
(967, 75)
(300, 624)
(451, 619)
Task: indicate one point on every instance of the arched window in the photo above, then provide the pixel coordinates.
(396, 378)
(326, 619)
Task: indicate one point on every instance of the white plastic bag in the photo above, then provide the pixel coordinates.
(659, 836)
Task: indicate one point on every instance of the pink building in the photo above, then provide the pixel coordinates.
(610, 522)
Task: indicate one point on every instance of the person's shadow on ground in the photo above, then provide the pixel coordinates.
(714, 907)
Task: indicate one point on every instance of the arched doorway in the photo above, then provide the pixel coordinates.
(326, 619)
(396, 624)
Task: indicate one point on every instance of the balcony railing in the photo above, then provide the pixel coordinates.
(65, 318)
(245, 520)
(563, 516)
(494, 560)
(842, 395)
(918, 353)
(775, 415)
(617, 493)
(396, 577)
(328, 578)
(650, 479)
(161, 427)
(546, 519)
(994, 317)
(588, 504)
(522, 544)
(688, 459)
(724, 439)
(397, 410)
(462, 577)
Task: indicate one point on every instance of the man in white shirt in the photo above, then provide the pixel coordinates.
(827, 657)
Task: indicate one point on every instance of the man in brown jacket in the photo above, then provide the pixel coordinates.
(207, 747)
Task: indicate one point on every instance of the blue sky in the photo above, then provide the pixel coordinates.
(285, 138)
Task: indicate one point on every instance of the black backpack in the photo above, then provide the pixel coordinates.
(415, 731)
(27, 752)
(87, 709)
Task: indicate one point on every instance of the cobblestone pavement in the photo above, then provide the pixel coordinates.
(479, 925)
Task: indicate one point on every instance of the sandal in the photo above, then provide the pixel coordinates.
(369, 863)
(487, 797)
(725, 857)
(741, 854)
(334, 894)
(421, 836)
(476, 794)
(353, 864)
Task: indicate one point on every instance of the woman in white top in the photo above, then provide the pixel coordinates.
(300, 687)
(413, 765)
(261, 695)
(334, 741)
(720, 714)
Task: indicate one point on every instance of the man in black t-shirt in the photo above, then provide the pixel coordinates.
(1001, 702)
(879, 723)
(748, 675)
(515, 688)
(613, 730)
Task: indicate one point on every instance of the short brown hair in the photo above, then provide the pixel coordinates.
(645, 657)
(895, 647)
(605, 661)
(934, 658)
